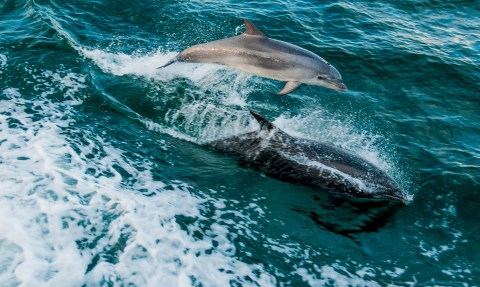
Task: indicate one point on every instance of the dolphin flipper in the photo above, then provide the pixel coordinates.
(289, 87)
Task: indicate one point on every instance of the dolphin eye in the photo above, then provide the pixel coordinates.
(320, 78)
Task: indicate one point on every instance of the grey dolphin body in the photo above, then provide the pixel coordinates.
(254, 53)
(309, 163)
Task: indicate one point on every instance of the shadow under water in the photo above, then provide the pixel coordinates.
(348, 216)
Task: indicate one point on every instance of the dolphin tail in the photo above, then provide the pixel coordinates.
(175, 59)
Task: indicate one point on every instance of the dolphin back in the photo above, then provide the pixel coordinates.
(309, 163)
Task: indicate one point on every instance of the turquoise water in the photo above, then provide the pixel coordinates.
(105, 181)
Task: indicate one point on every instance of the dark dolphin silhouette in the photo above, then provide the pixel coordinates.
(254, 53)
(309, 163)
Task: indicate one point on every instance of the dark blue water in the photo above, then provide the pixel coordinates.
(104, 179)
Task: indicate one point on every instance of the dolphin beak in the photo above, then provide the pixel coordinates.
(341, 87)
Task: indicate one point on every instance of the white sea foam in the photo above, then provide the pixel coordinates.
(203, 117)
(146, 66)
(63, 222)
(209, 122)
(120, 64)
(3, 61)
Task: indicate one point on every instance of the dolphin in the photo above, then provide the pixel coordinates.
(309, 163)
(256, 54)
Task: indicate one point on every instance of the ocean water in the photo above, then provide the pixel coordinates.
(104, 179)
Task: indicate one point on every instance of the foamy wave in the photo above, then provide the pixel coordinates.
(69, 215)
(209, 113)
(72, 213)
(3, 61)
(330, 274)
(208, 122)
(120, 64)
(146, 65)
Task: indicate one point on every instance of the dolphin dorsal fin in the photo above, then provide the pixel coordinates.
(264, 123)
(251, 30)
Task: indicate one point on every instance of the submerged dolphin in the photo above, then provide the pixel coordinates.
(254, 53)
(309, 163)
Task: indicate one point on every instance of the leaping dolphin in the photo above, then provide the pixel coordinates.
(255, 53)
(309, 163)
